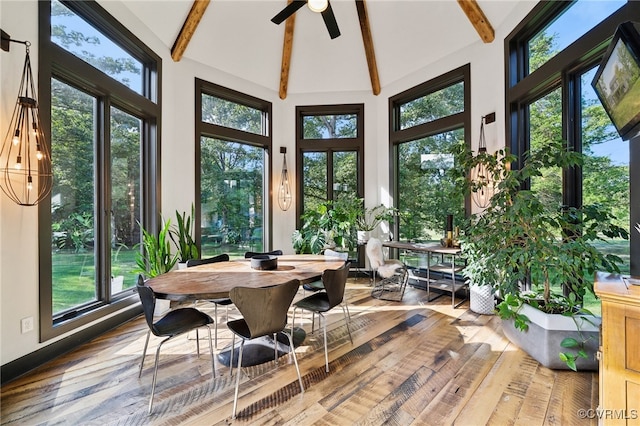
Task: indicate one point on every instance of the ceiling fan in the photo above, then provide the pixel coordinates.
(318, 6)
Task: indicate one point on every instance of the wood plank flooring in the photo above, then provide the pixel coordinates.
(411, 363)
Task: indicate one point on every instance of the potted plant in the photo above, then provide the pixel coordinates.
(540, 258)
(182, 236)
(155, 257)
(331, 224)
(369, 219)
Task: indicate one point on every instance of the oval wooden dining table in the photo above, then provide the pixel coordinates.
(215, 280)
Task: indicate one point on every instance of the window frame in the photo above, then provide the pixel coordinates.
(397, 136)
(216, 131)
(563, 70)
(328, 146)
(55, 62)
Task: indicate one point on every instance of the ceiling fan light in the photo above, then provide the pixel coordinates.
(318, 6)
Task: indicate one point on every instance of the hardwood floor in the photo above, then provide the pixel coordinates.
(410, 363)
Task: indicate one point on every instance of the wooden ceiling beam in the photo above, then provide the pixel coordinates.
(287, 47)
(369, 51)
(188, 28)
(478, 19)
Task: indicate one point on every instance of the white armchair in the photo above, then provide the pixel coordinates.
(392, 273)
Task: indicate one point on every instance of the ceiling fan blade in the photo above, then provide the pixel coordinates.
(289, 10)
(330, 22)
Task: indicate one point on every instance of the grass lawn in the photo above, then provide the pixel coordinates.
(74, 276)
(74, 273)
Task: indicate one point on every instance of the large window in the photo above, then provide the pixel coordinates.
(103, 116)
(551, 98)
(427, 123)
(330, 146)
(232, 151)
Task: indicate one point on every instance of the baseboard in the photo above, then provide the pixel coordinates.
(14, 369)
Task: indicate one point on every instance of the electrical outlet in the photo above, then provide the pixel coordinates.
(26, 325)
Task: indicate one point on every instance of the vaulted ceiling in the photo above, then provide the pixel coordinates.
(238, 37)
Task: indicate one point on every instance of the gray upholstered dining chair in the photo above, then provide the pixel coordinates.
(225, 301)
(174, 323)
(264, 312)
(335, 281)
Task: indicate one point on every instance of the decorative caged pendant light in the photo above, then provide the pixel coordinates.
(484, 186)
(284, 190)
(25, 161)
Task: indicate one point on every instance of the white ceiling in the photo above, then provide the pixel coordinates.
(238, 37)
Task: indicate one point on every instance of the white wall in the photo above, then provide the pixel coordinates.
(18, 225)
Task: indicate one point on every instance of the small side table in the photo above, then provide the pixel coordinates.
(448, 264)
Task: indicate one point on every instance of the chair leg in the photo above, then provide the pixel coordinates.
(197, 343)
(235, 397)
(144, 352)
(213, 358)
(346, 320)
(275, 348)
(233, 347)
(292, 351)
(155, 374)
(326, 351)
(215, 314)
(346, 305)
(293, 319)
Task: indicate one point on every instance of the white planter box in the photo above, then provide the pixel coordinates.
(542, 339)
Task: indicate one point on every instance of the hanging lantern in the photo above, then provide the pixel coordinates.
(483, 184)
(284, 190)
(25, 162)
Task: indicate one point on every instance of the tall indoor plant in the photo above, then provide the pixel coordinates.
(155, 257)
(182, 236)
(331, 224)
(370, 217)
(536, 253)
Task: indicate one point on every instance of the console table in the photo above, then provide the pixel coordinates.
(449, 264)
(620, 350)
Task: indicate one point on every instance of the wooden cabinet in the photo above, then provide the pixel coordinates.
(619, 351)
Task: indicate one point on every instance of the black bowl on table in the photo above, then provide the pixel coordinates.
(264, 262)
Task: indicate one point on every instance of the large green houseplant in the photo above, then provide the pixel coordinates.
(155, 257)
(331, 224)
(370, 217)
(182, 236)
(534, 252)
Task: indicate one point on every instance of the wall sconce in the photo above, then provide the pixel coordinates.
(284, 190)
(25, 167)
(483, 184)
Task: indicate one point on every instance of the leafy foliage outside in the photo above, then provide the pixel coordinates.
(231, 196)
(428, 190)
(75, 248)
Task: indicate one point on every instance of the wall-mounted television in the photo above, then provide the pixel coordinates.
(617, 81)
